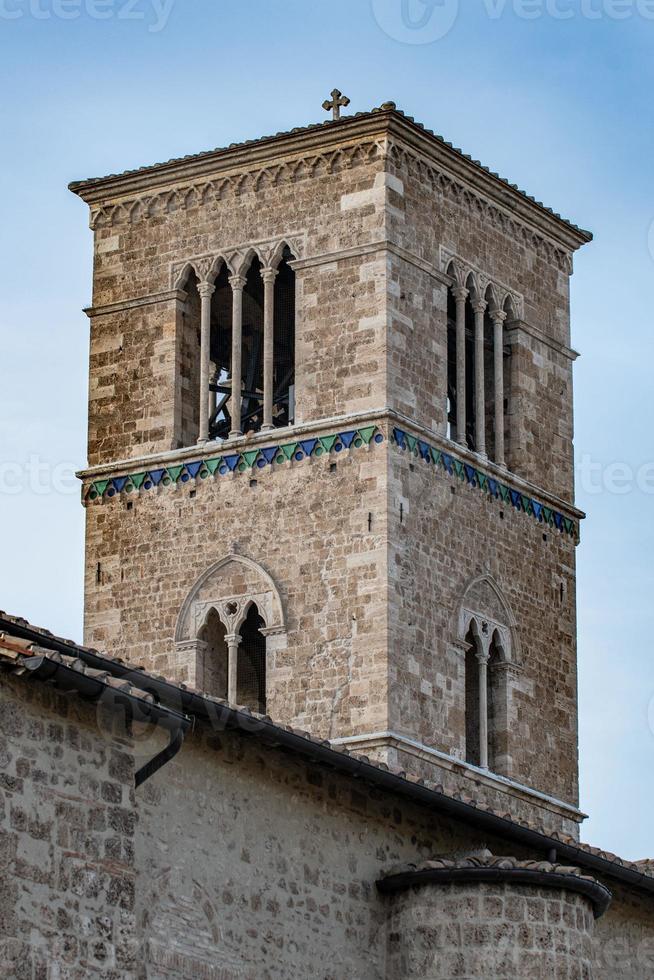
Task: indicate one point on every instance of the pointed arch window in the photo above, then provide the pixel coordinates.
(488, 639)
(477, 407)
(251, 669)
(213, 657)
(252, 344)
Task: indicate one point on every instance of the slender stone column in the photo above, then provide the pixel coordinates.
(498, 348)
(233, 642)
(480, 393)
(460, 295)
(482, 659)
(269, 275)
(238, 285)
(206, 291)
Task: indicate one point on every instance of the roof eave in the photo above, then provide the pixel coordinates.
(326, 136)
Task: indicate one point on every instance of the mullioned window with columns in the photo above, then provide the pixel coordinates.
(236, 349)
(478, 376)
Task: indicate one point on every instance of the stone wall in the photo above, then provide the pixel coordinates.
(136, 322)
(449, 534)
(496, 931)
(371, 552)
(67, 837)
(432, 219)
(307, 525)
(238, 861)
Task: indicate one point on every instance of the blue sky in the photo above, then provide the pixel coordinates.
(554, 94)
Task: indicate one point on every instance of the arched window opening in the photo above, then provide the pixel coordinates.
(284, 344)
(509, 382)
(497, 714)
(251, 671)
(213, 657)
(220, 385)
(478, 386)
(472, 706)
(252, 357)
(489, 384)
(451, 368)
(471, 360)
(187, 368)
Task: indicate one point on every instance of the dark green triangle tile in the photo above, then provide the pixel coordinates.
(367, 434)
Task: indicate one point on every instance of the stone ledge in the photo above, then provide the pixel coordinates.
(499, 870)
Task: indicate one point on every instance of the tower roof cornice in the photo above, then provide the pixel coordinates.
(386, 122)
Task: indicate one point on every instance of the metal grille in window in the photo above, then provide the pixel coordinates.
(251, 674)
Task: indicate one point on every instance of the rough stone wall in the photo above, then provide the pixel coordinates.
(238, 861)
(276, 874)
(67, 835)
(422, 220)
(340, 308)
(307, 525)
(490, 931)
(624, 938)
(371, 333)
(448, 534)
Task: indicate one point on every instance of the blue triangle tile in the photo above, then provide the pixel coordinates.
(492, 487)
(538, 509)
(308, 446)
(448, 463)
(119, 483)
(399, 437)
(347, 438)
(156, 476)
(424, 451)
(516, 499)
(232, 462)
(558, 520)
(270, 453)
(471, 474)
(194, 468)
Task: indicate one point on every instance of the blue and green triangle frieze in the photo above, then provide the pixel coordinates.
(478, 480)
(248, 461)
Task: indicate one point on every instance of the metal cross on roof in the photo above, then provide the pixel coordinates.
(338, 100)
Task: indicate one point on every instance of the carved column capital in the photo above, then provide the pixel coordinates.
(269, 274)
(460, 294)
(237, 283)
(498, 316)
(206, 289)
(480, 306)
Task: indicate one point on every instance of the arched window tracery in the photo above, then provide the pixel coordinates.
(477, 406)
(487, 632)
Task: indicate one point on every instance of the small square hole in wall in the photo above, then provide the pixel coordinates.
(192, 494)
(452, 490)
(544, 537)
(253, 483)
(333, 467)
(412, 467)
(130, 505)
(501, 515)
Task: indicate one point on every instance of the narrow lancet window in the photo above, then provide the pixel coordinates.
(472, 707)
(221, 358)
(213, 657)
(251, 676)
(284, 348)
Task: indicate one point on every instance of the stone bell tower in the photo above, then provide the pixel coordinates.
(330, 468)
